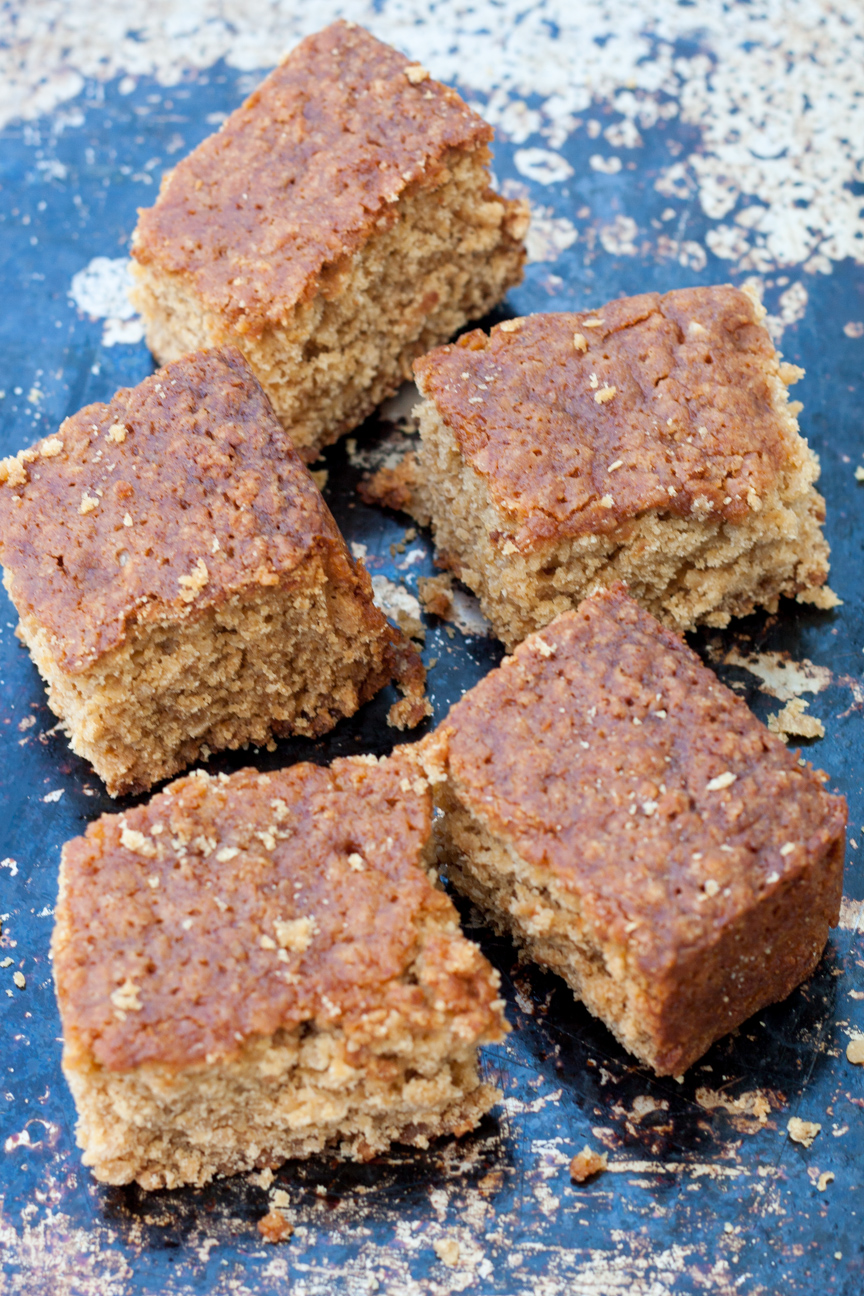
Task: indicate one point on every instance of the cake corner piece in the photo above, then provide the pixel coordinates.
(322, 1007)
(650, 441)
(180, 582)
(339, 224)
(627, 820)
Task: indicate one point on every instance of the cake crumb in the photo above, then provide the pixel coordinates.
(792, 721)
(12, 471)
(137, 843)
(126, 998)
(117, 433)
(274, 1227)
(580, 342)
(724, 780)
(607, 502)
(605, 394)
(88, 504)
(262, 1178)
(319, 477)
(801, 1131)
(194, 582)
(416, 74)
(436, 595)
(447, 1251)
(510, 326)
(855, 1051)
(586, 1164)
(51, 448)
(296, 934)
(822, 597)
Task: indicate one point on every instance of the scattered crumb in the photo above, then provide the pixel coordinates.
(792, 721)
(274, 1227)
(447, 1251)
(319, 477)
(27, 723)
(296, 934)
(137, 843)
(826, 1177)
(126, 997)
(436, 595)
(194, 582)
(491, 1183)
(397, 603)
(19, 979)
(859, 473)
(801, 1131)
(12, 471)
(416, 74)
(586, 1164)
(855, 1051)
(262, 1178)
(821, 597)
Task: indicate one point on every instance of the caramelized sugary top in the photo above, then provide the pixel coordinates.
(181, 491)
(233, 907)
(608, 754)
(580, 421)
(301, 174)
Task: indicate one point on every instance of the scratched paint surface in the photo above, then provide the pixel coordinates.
(697, 144)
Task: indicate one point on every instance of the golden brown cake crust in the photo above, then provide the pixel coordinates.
(181, 491)
(581, 421)
(605, 752)
(325, 147)
(228, 908)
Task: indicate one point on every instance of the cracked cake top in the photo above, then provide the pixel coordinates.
(177, 493)
(578, 422)
(604, 752)
(232, 907)
(298, 177)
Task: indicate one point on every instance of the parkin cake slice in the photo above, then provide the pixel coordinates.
(651, 441)
(258, 967)
(339, 224)
(180, 582)
(625, 817)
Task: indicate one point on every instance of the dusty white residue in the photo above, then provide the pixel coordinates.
(101, 290)
(548, 235)
(398, 603)
(466, 614)
(780, 676)
(850, 914)
(516, 1107)
(772, 89)
(542, 165)
(619, 238)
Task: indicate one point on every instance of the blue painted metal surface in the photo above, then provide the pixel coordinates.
(700, 1196)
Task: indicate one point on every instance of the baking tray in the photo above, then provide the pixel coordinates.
(704, 1192)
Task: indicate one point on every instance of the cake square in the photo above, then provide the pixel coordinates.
(256, 967)
(339, 224)
(651, 441)
(625, 817)
(180, 582)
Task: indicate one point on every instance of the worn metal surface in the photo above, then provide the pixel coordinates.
(705, 1192)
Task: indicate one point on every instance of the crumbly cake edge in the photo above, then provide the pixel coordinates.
(94, 722)
(176, 320)
(712, 570)
(545, 920)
